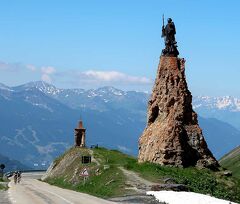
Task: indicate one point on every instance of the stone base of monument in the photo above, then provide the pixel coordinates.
(172, 135)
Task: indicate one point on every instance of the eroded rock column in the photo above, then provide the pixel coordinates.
(172, 135)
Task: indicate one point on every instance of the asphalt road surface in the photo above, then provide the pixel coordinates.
(4, 197)
(32, 191)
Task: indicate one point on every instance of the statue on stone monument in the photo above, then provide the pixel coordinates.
(168, 33)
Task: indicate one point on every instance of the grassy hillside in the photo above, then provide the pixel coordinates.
(3, 187)
(231, 161)
(112, 182)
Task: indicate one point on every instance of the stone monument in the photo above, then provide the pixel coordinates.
(172, 135)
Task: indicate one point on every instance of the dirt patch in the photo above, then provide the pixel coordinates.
(135, 182)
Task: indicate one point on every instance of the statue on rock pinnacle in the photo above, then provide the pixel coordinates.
(168, 33)
(172, 135)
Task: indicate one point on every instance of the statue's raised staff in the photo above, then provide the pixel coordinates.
(168, 32)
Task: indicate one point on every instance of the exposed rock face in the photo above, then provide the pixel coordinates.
(173, 136)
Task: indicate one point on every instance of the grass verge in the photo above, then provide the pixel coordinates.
(2, 187)
(108, 184)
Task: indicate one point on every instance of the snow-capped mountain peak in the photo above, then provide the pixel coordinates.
(110, 90)
(42, 86)
(221, 103)
(82, 97)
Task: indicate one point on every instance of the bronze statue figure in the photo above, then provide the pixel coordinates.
(168, 32)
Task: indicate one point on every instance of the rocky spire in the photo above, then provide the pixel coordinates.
(172, 135)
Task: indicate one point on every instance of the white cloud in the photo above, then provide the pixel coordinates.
(10, 67)
(31, 67)
(104, 76)
(48, 70)
(46, 73)
(75, 78)
(113, 76)
(4, 65)
(95, 79)
(46, 78)
(16, 67)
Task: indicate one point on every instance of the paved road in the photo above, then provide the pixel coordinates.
(30, 191)
(4, 197)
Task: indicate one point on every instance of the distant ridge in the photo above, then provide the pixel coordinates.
(229, 103)
(11, 164)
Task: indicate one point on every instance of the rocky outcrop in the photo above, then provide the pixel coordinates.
(173, 136)
(169, 187)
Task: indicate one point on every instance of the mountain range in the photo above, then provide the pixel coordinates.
(11, 165)
(38, 120)
(225, 108)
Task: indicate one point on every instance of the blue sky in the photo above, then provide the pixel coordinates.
(94, 43)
